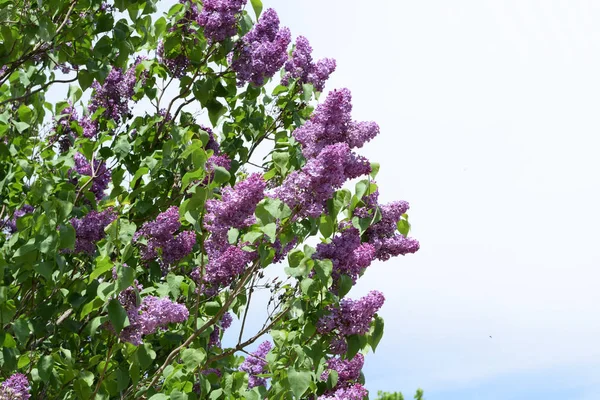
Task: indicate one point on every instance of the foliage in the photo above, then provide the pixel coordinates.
(131, 234)
(397, 395)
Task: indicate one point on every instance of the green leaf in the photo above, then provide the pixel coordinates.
(103, 264)
(299, 381)
(257, 6)
(117, 315)
(67, 237)
(307, 91)
(377, 333)
(45, 366)
(270, 230)
(345, 284)
(159, 396)
(193, 358)
(403, 227)
(221, 175)
(21, 126)
(122, 147)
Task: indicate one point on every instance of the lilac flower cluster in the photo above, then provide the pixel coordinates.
(384, 237)
(236, 207)
(113, 96)
(348, 370)
(15, 387)
(90, 229)
(147, 317)
(64, 134)
(348, 373)
(355, 391)
(332, 123)
(307, 191)
(161, 241)
(101, 175)
(215, 336)
(176, 65)
(256, 364)
(301, 66)
(219, 18)
(348, 255)
(354, 316)
(11, 224)
(263, 50)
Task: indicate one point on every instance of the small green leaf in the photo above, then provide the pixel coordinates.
(193, 358)
(299, 381)
(221, 175)
(117, 315)
(45, 366)
(257, 6)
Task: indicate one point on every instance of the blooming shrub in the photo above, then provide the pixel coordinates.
(133, 235)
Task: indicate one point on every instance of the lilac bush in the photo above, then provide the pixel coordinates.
(139, 226)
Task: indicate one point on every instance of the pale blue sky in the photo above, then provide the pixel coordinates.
(490, 128)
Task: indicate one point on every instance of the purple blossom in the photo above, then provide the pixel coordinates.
(15, 387)
(350, 392)
(308, 190)
(215, 336)
(190, 17)
(348, 255)
(353, 317)
(263, 50)
(225, 264)
(161, 241)
(116, 91)
(237, 205)
(282, 251)
(90, 128)
(101, 175)
(332, 123)
(11, 224)
(212, 143)
(64, 134)
(301, 66)
(89, 230)
(338, 345)
(348, 370)
(152, 314)
(176, 65)
(256, 364)
(219, 18)
(384, 237)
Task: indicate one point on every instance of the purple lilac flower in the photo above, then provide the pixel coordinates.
(212, 143)
(176, 65)
(190, 17)
(282, 251)
(160, 234)
(101, 174)
(116, 91)
(338, 345)
(64, 134)
(348, 370)
(236, 207)
(332, 123)
(15, 387)
(301, 66)
(11, 224)
(226, 263)
(353, 316)
(384, 236)
(256, 364)
(218, 17)
(152, 313)
(89, 230)
(215, 336)
(355, 391)
(263, 50)
(308, 190)
(348, 255)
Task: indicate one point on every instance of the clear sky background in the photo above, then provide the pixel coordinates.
(489, 112)
(490, 128)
